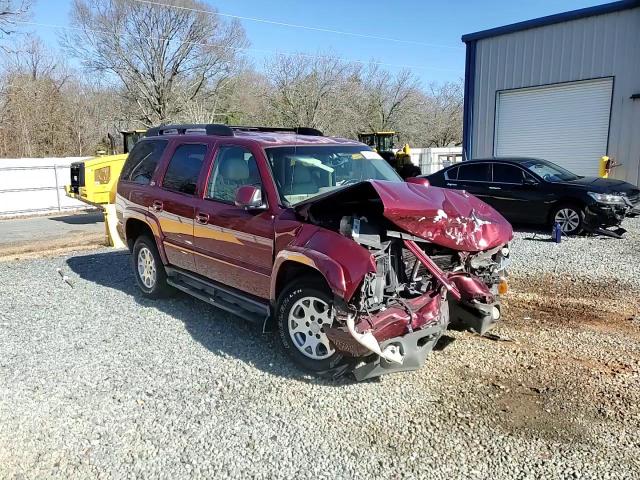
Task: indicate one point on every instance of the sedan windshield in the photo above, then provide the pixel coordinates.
(549, 171)
(304, 172)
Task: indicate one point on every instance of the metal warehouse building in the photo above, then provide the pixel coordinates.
(564, 87)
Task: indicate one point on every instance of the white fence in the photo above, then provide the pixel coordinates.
(430, 160)
(35, 185)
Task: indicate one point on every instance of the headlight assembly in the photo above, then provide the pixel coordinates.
(607, 198)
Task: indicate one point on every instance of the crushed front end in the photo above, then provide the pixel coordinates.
(402, 306)
(394, 320)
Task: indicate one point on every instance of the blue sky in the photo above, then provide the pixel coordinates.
(428, 22)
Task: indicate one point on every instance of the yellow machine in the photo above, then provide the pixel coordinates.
(383, 143)
(94, 181)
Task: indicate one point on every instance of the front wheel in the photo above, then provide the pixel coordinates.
(304, 312)
(570, 218)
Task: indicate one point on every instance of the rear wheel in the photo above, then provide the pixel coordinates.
(570, 218)
(148, 269)
(304, 313)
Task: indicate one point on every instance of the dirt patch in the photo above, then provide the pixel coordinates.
(574, 301)
(563, 360)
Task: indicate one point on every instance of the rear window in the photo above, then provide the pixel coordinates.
(142, 161)
(184, 168)
(478, 172)
(503, 173)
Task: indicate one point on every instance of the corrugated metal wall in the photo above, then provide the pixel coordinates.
(593, 47)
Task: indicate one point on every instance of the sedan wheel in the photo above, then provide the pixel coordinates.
(309, 318)
(568, 219)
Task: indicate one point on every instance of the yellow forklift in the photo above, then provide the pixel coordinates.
(94, 181)
(383, 143)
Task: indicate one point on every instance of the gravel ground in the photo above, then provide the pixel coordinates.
(96, 381)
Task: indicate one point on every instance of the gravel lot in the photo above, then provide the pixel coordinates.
(96, 381)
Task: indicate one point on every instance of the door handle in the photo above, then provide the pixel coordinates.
(495, 188)
(157, 206)
(202, 218)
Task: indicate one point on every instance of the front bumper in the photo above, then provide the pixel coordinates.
(395, 339)
(415, 347)
(476, 316)
(599, 215)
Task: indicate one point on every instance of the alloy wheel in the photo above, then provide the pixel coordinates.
(568, 219)
(308, 320)
(146, 267)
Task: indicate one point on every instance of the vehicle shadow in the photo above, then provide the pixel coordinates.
(533, 233)
(220, 332)
(93, 216)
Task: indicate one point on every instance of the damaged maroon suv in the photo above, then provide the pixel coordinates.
(318, 237)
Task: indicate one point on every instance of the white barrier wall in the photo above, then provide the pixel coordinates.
(35, 185)
(430, 160)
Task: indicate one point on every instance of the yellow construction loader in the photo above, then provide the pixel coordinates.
(383, 143)
(94, 181)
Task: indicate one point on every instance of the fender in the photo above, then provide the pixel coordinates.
(341, 261)
(131, 211)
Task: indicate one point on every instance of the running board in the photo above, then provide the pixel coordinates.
(220, 296)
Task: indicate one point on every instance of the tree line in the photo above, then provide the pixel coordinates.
(137, 64)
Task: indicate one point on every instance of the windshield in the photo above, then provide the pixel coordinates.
(549, 171)
(304, 172)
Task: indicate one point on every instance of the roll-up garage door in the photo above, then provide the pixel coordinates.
(566, 123)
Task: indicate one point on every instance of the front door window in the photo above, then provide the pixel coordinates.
(234, 167)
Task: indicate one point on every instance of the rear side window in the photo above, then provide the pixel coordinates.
(478, 172)
(503, 173)
(184, 168)
(142, 161)
(451, 174)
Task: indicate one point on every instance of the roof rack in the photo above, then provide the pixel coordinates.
(225, 130)
(182, 129)
(297, 130)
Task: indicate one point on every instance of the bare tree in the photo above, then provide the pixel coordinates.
(164, 57)
(387, 99)
(31, 57)
(441, 115)
(10, 11)
(312, 91)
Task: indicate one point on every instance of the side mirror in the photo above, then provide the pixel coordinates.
(418, 181)
(530, 181)
(249, 197)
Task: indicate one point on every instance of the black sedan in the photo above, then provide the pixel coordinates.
(534, 191)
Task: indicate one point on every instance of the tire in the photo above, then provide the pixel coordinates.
(303, 311)
(570, 217)
(148, 269)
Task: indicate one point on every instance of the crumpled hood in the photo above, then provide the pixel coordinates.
(450, 218)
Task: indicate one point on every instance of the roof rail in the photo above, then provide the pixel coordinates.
(298, 130)
(181, 129)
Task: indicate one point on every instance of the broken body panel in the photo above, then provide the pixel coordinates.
(400, 319)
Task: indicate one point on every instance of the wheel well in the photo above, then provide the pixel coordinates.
(134, 228)
(564, 201)
(290, 270)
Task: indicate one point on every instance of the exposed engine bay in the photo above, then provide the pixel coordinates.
(418, 286)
